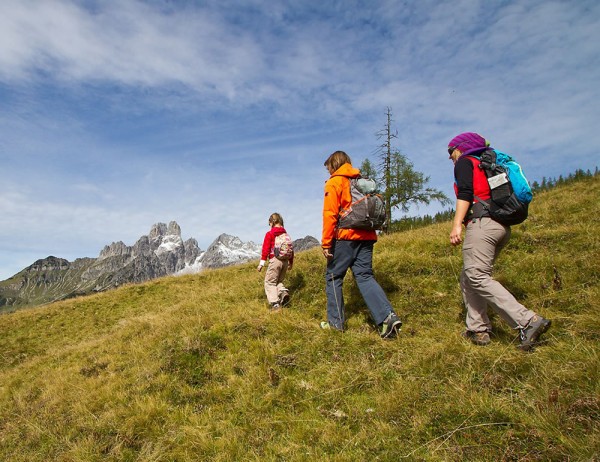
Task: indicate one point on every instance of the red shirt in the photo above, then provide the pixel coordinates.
(470, 180)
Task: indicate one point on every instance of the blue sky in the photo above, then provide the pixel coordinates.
(115, 115)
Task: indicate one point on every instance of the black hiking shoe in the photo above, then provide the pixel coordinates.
(284, 299)
(529, 335)
(391, 326)
(478, 338)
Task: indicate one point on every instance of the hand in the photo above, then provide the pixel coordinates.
(456, 235)
(259, 268)
(327, 254)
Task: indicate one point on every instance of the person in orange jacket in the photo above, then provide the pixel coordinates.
(350, 248)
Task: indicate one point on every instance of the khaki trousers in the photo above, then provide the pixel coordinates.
(274, 279)
(484, 239)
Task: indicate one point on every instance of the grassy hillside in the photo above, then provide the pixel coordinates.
(196, 368)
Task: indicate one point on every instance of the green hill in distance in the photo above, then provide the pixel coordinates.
(195, 368)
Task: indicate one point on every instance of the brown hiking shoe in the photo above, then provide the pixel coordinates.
(478, 338)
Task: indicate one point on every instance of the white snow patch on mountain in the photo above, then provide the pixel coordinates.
(192, 268)
(169, 243)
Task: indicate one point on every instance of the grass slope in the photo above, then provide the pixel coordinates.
(195, 368)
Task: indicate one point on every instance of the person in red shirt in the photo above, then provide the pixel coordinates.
(277, 294)
(484, 239)
(350, 248)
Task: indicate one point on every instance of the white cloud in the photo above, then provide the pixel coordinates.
(116, 115)
(127, 43)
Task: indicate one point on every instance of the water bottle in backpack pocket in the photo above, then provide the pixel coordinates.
(509, 189)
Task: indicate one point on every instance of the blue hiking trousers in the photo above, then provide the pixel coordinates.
(358, 256)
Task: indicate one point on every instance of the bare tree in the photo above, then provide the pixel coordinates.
(385, 166)
(402, 185)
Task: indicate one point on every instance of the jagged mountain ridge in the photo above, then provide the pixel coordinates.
(160, 253)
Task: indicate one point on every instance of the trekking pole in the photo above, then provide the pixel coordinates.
(337, 304)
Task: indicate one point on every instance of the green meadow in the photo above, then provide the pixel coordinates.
(195, 368)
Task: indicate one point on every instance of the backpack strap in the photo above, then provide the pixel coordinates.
(485, 205)
(479, 209)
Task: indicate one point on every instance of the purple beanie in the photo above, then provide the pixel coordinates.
(468, 143)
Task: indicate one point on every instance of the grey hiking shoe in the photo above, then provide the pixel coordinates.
(529, 335)
(327, 326)
(478, 338)
(275, 307)
(391, 326)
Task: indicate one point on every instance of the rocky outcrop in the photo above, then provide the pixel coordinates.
(116, 249)
(191, 251)
(49, 264)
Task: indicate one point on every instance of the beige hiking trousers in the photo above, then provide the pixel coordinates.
(274, 279)
(484, 239)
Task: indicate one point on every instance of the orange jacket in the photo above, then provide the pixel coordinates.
(337, 196)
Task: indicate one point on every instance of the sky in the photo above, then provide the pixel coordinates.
(119, 114)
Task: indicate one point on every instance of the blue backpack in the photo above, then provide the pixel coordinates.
(510, 191)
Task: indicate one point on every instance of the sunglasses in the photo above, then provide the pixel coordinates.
(452, 148)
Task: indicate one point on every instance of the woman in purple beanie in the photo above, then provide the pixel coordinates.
(484, 239)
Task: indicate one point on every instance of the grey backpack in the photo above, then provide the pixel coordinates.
(367, 210)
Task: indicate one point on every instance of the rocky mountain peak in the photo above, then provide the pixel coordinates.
(229, 241)
(157, 231)
(174, 229)
(113, 250)
(305, 243)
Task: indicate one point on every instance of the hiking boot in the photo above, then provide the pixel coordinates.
(284, 298)
(391, 326)
(326, 326)
(529, 335)
(275, 307)
(478, 338)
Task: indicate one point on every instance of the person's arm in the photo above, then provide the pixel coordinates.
(266, 250)
(462, 207)
(331, 209)
(463, 172)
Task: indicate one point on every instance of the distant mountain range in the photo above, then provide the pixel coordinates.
(161, 253)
